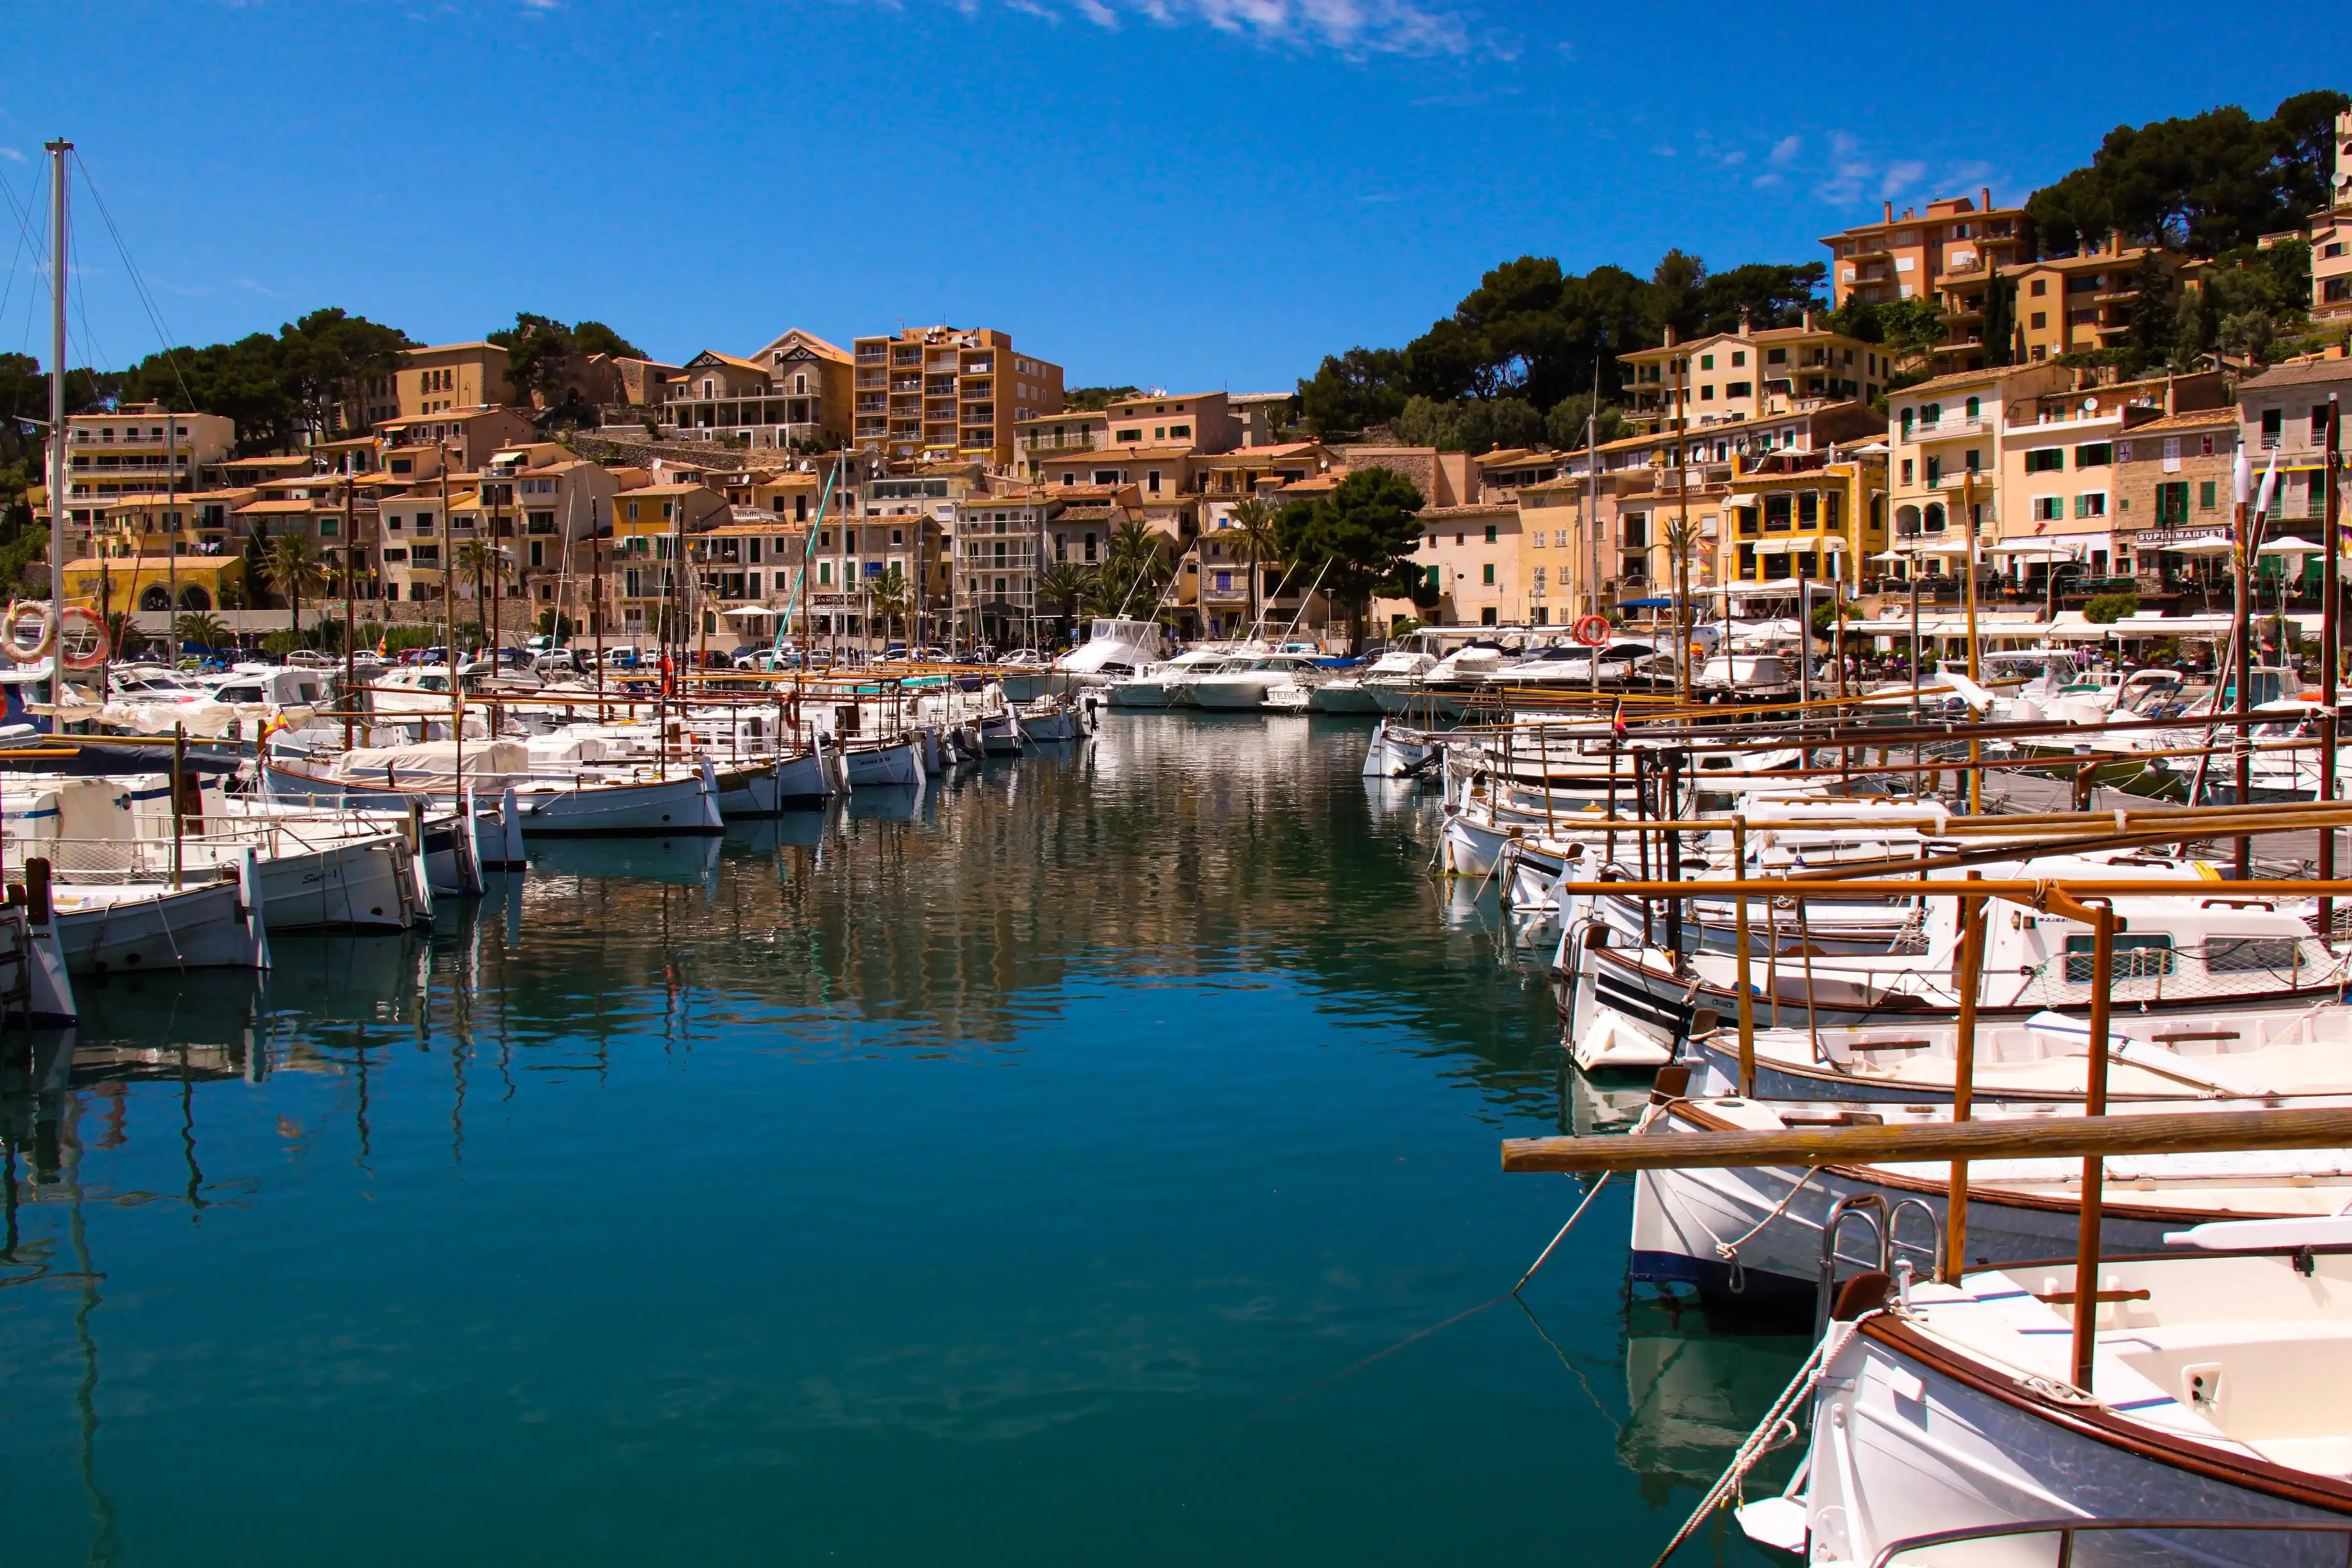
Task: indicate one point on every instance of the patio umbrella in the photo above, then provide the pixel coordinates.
(2290, 545)
(2198, 547)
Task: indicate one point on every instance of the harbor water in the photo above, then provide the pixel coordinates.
(1056, 1168)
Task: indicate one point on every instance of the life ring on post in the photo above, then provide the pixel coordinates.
(81, 639)
(11, 642)
(1591, 631)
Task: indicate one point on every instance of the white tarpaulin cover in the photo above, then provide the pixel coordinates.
(431, 765)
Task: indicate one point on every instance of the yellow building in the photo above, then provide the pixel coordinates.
(2070, 304)
(1750, 376)
(447, 377)
(119, 584)
(1807, 515)
(130, 452)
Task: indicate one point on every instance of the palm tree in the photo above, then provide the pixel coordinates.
(474, 556)
(1682, 543)
(1253, 521)
(1066, 585)
(892, 599)
(201, 627)
(295, 567)
(1133, 556)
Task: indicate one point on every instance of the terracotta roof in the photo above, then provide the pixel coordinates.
(1481, 508)
(263, 462)
(278, 506)
(1125, 450)
(2302, 374)
(746, 529)
(642, 491)
(448, 348)
(2196, 419)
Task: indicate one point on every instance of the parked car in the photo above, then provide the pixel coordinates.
(622, 656)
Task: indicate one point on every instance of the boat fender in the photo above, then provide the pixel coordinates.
(12, 641)
(1596, 935)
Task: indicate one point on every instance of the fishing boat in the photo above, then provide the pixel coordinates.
(1760, 1233)
(892, 763)
(1353, 693)
(1951, 1413)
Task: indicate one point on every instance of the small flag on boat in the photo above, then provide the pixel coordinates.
(1617, 718)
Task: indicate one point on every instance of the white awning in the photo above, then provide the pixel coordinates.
(2290, 545)
(2198, 547)
(750, 612)
(2035, 550)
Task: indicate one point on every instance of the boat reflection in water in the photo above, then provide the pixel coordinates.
(677, 862)
(1692, 1393)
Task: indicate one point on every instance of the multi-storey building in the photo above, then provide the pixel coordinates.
(2070, 304)
(1806, 515)
(794, 392)
(1199, 422)
(639, 567)
(1071, 432)
(472, 434)
(1749, 376)
(944, 392)
(444, 378)
(1944, 439)
(2056, 496)
(1950, 248)
(2171, 488)
(131, 452)
(2283, 415)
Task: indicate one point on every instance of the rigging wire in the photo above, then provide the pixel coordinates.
(138, 283)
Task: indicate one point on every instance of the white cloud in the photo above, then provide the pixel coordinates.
(1354, 27)
(1900, 175)
(1787, 148)
(12, 154)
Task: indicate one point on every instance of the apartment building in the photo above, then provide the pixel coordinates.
(2171, 487)
(1950, 249)
(2331, 236)
(639, 567)
(1748, 378)
(414, 544)
(1001, 545)
(1470, 556)
(1042, 436)
(447, 377)
(2283, 415)
(136, 449)
(473, 435)
(1804, 515)
(1199, 422)
(1944, 439)
(1263, 417)
(2070, 304)
(941, 391)
(1557, 521)
(795, 390)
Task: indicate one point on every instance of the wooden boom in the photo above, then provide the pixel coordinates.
(2050, 1138)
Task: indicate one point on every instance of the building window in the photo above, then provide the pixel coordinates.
(2207, 495)
(1740, 389)
(2273, 422)
(2049, 509)
(2040, 287)
(1487, 575)
(2091, 503)
(2046, 460)
(1707, 361)
(1490, 533)
(2040, 319)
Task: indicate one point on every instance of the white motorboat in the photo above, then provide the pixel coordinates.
(1397, 753)
(805, 782)
(1241, 684)
(2212, 1399)
(1156, 685)
(1354, 694)
(1116, 649)
(1050, 720)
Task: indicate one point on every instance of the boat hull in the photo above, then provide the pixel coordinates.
(687, 804)
(196, 928)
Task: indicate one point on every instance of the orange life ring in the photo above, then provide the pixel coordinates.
(1591, 631)
(69, 625)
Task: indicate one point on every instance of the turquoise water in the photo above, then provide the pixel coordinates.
(1019, 1176)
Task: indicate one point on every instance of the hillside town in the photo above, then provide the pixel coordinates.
(942, 484)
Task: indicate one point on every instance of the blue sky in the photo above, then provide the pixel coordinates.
(1191, 193)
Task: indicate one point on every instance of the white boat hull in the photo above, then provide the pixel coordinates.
(684, 805)
(197, 928)
(896, 766)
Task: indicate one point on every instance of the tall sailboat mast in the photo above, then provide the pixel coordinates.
(58, 151)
